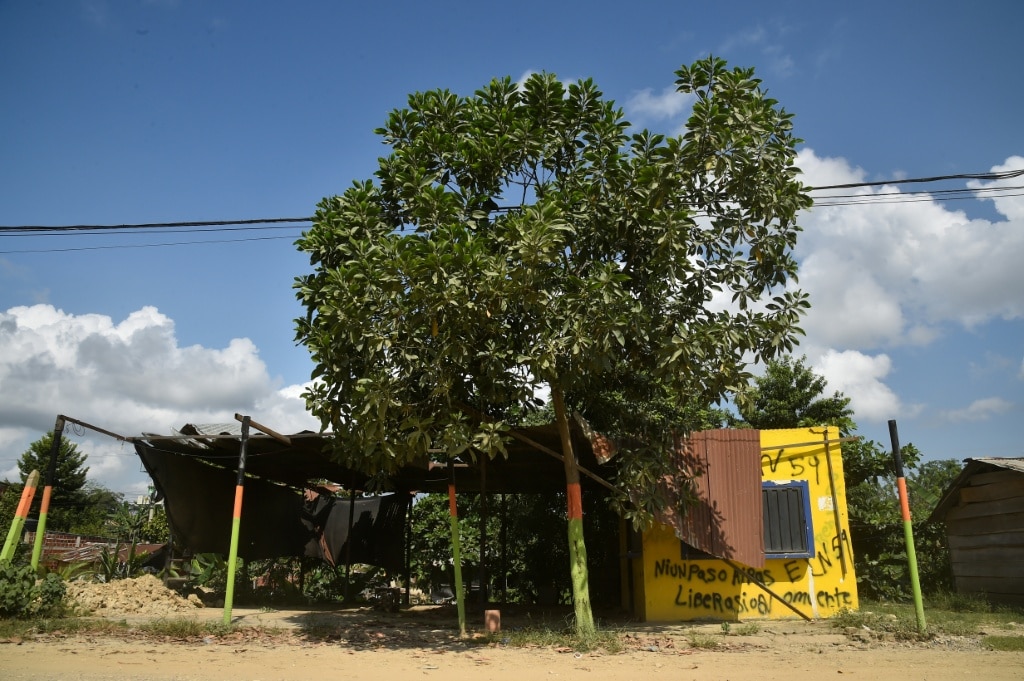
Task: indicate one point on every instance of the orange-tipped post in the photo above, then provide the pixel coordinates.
(14, 533)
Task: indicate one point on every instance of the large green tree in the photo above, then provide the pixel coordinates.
(522, 237)
(790, 395)
(69, 479)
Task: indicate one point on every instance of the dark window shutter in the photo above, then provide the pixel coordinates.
(786, 511)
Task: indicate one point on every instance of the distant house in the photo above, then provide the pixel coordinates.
(983, 511)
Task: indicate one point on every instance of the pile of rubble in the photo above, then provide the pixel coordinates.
(144, 595)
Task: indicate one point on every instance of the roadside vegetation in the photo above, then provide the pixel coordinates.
(949, 616)
(946, 614)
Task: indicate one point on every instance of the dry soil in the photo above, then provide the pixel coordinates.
(424, 643)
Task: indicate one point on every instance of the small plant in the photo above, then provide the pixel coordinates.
(901, 625)
(542, 636)
(702, 641)
(21, 595)
(209, 570)
(726, 628)
(71, 571)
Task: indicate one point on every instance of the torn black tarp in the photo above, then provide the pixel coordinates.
(277, 520)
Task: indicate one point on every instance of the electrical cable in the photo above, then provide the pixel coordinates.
(120, 246)
(301, 222)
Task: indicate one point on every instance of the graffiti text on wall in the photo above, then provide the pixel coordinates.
(716, 588)
(797, 465)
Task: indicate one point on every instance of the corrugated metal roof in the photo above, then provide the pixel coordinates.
(721, 481)
(308, 457)
(1013, 464)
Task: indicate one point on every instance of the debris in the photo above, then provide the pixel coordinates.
(145, 595)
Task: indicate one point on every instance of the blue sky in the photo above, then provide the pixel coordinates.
(170, 110)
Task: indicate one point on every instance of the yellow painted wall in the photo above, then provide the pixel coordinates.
(672, 588)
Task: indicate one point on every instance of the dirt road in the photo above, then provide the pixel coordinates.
(358, 644)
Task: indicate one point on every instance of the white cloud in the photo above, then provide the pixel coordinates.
(1010, 205)
(859, 377)
(894, 273)
(525, 77)
(849, 306)
(648, 105)
(128, 377)
(979, 410)
(521, 82)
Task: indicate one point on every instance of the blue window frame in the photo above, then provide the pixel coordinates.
(787, 519)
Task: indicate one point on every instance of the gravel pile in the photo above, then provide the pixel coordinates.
(144, 595)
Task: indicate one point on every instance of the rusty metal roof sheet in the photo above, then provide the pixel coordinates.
(720, 476)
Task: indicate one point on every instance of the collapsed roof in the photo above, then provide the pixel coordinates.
(307, 462)
(196, 470)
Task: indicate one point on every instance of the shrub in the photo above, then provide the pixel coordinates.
(21, 595)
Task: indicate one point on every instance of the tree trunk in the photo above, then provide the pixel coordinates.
(577, 548)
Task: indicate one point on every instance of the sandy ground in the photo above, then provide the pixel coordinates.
(423, 642)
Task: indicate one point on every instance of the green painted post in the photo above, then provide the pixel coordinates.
(44, 507)
(460, 596)
(236, 522)
(14, 533)
(908, 528)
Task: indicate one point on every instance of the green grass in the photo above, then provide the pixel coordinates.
(1012, 644)
(22, 628)
(178, 628)
(746, 629)
(608, 640)
(184, 628)
(702, 641)
(947, 614)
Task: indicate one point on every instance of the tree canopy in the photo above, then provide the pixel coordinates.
(525, 236)
(69, 497)
(70, 474)
(791, 395)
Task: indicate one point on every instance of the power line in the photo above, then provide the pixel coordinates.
(169, 243)
(146, 225)
(59, 231)
(930, 192)
(994, 177)
(300, 222)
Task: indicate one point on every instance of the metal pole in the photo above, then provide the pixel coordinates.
(44, 507)
(504, 548)
(348, 541)
(835, 505)
(764, 587)
(408, 551)
(908, 528)
(484, 516)
(236, 521)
